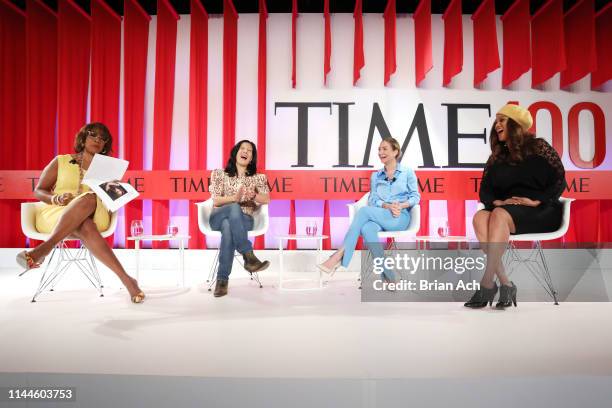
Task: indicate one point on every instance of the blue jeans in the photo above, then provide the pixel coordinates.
(368, 222)
(234, 226)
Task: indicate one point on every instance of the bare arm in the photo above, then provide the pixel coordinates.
(220, 201)
(44, 189)
(262, 198)
(261, 195)
(48, 177)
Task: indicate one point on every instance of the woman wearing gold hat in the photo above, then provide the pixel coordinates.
(520, 189)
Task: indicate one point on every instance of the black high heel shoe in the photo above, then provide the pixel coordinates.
(507, 296)
(482, 297)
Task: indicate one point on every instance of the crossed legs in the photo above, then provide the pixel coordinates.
(76, 220)
(367, 223)
(493, 229)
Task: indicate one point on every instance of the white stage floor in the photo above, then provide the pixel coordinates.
(266, 333)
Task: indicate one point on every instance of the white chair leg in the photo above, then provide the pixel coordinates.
(211, 272)
(254, 275)
(94, 268)
(44, 277)
(212, 276)
(546, 274)
(83, 260)
(535, 264)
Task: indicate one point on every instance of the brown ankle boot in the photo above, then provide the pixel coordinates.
(221, 287)
(252, 264)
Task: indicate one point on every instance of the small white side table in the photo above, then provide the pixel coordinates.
(182, 240)
(288, 237)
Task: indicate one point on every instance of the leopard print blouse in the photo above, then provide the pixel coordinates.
(222, 185)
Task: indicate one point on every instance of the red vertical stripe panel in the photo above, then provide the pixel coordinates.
(262, 78)
(453, 41)
(326, 225)
(12, 113)
(292, 243)
(423, 59)
(105, 70)
(605, 221)
(261, 98)
(294, 16)
(165, 55)
(390, 40)
(41, 84)
(424, 228)
(584, 222)
(198, 107)
(328, 42)
(603, 33)
(456, 218)
(547, 29)
(517, 42)
(486, 53)
(579, 36)
(73, 72)
(105, 66)
(358, 56)
(135, 45)
(230, 45)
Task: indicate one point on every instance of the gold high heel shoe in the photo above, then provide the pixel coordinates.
(138, 298)
(26, 262)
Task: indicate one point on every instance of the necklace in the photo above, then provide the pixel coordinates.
(79, 160)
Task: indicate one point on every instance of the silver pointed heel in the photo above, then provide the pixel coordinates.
(330, 271)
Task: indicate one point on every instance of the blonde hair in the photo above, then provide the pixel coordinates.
(394, 146)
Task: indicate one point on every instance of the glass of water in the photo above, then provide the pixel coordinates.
(172, 230)
(443, 230)
(311, 228)
(136, 228)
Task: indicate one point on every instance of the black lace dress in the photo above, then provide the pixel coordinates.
(539, 176)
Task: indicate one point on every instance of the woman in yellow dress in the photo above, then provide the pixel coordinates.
(73, 209)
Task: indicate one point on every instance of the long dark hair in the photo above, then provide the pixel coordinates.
(98, 129)
(517, 146)
(230, 167)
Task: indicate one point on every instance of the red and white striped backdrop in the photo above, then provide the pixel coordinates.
(178, 91)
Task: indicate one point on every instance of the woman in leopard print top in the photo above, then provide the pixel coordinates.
(237, 191)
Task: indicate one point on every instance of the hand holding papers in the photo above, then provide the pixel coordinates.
(102, 177)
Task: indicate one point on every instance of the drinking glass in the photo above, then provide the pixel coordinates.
(172, 230)
(311, 228)
(136, 228)
(443, 230)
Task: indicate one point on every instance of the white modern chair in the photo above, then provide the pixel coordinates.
(536, 261)
(261, 221)
(409, 232)
(82, 259)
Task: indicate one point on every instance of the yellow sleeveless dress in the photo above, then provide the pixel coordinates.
(68, 182)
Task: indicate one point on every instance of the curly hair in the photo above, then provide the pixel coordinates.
(230, 167)
(517, 146)
(98, 129)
